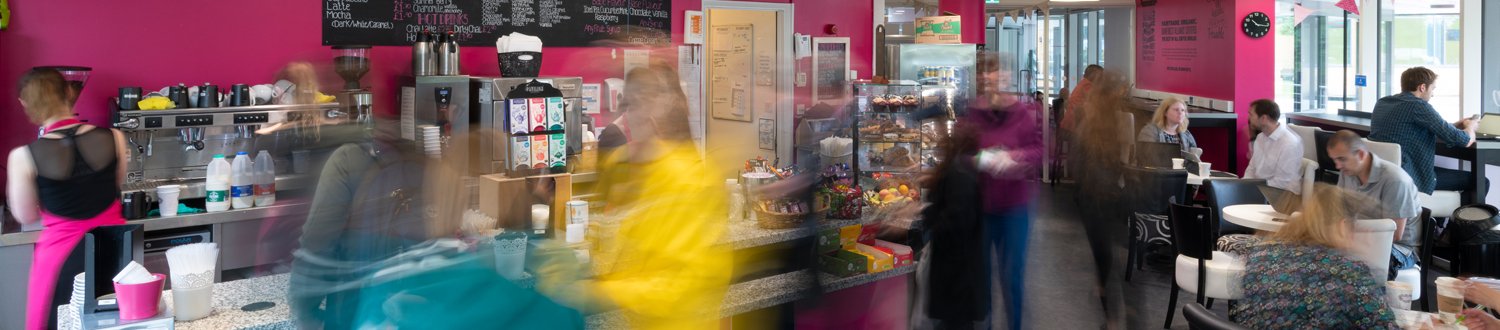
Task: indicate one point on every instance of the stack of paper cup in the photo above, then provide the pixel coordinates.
(431, 140)
(168, 196)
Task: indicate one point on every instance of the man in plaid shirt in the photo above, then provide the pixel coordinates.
(1407, 119)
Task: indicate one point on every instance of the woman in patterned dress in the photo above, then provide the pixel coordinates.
(1302, 277)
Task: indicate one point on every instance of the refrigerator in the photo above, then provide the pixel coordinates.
(937, 65)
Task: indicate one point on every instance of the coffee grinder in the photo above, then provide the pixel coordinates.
(351, 62)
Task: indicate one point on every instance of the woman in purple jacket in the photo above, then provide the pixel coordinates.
(1010, 150)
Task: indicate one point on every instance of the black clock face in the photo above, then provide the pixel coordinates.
(1256, 25)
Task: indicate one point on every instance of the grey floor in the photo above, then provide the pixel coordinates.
(1060, 293)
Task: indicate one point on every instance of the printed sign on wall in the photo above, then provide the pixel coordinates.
(1182, 45)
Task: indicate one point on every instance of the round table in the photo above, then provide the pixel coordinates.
(1255, 216)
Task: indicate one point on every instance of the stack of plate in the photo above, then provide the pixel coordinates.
(431, 141)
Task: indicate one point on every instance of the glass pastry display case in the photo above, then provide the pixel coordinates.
(899, 125)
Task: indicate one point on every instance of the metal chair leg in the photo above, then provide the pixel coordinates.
(1171, 306)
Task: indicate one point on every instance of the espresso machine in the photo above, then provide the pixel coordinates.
(352, 62)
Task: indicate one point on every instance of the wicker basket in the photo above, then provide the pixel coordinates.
(772, 220)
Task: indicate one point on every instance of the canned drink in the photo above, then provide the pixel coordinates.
(578, 212)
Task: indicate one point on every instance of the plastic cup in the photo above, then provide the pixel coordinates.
(1450, 298)
(1204, 169)
(168, 196)
(193, 303)
(1398, 294)
(575, 232)
(510, 255)
(1177, 163)
(139, 301)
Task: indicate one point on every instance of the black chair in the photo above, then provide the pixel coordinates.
(1153, 189)
(1425, 260)
(1225, 193)
(1200, 318)
(1194, 239)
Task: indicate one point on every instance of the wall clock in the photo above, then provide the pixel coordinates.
(1256, 25)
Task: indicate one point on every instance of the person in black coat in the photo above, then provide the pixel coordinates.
(958, 294)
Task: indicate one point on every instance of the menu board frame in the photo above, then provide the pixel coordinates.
(830, 69)
(566, 23)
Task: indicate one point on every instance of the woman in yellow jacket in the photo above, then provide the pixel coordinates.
(656, 246)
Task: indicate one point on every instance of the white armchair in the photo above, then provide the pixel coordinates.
(1372, 245)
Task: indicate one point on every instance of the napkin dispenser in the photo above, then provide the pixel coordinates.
(100, 254)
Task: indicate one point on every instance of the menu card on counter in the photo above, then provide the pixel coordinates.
(573, 23)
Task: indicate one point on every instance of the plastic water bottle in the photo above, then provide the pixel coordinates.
(265, 183)
(218, 184)
(242, 182)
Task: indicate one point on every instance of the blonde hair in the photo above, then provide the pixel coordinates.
(1160, 117)
(46, 95)
(1325, 221)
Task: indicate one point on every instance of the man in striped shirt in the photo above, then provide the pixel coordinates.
(1408, 119)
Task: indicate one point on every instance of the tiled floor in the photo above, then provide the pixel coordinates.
(1059, 274)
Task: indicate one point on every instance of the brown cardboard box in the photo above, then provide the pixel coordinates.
(509, 199)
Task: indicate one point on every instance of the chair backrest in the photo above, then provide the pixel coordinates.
(1192, 230)
(1320, 141)
(1372, 245)
(1200, 318)
(1229, 192)
(1308, 141)
(1309, 178)
(1154, 188)
(1390, 152)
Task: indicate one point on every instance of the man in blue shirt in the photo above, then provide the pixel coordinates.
(1407, 119)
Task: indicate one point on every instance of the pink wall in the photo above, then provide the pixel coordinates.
(1162, 65)
(154, 43)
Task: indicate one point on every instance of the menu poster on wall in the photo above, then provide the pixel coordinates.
(729, 70)
(1181, 47)
(830, 68)
(573, 23)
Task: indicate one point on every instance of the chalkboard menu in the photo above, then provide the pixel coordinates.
(480, 22)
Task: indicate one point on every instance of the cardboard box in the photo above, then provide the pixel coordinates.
(519, 117)
(509, 199)
(520, 152)
(901, 253)
(828, 241)
(867, 234)
(538, 112)
(878, 261)
(557, 150)
(843, 263)
(539, 152)
(555, 112)
(848, 236)
(938, 30)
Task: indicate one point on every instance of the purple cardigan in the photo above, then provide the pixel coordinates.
(1014, 129)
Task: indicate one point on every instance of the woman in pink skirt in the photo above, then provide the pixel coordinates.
(69, 178)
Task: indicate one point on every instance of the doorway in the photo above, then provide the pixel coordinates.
(747, 103)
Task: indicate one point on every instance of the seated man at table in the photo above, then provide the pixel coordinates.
(1386, 193)
(1408, 119)
(1276, 155)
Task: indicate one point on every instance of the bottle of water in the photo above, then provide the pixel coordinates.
(265, 183)
(242, 182)
(218, 184)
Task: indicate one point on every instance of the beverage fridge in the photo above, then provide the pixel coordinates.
(937, 65)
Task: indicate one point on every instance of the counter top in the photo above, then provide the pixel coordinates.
(741, 297)
(283, 208)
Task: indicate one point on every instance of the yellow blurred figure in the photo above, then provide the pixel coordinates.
(659, 258)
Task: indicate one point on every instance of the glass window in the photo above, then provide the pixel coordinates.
(1315, 60)
(1421, 33)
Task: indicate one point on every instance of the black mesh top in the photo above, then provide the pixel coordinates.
(76, 174)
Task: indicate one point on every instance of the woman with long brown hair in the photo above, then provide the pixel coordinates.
(1105, 137)
(69, 179)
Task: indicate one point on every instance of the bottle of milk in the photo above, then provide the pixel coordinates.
(265, 183)
(218, 184)
(242, 182)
